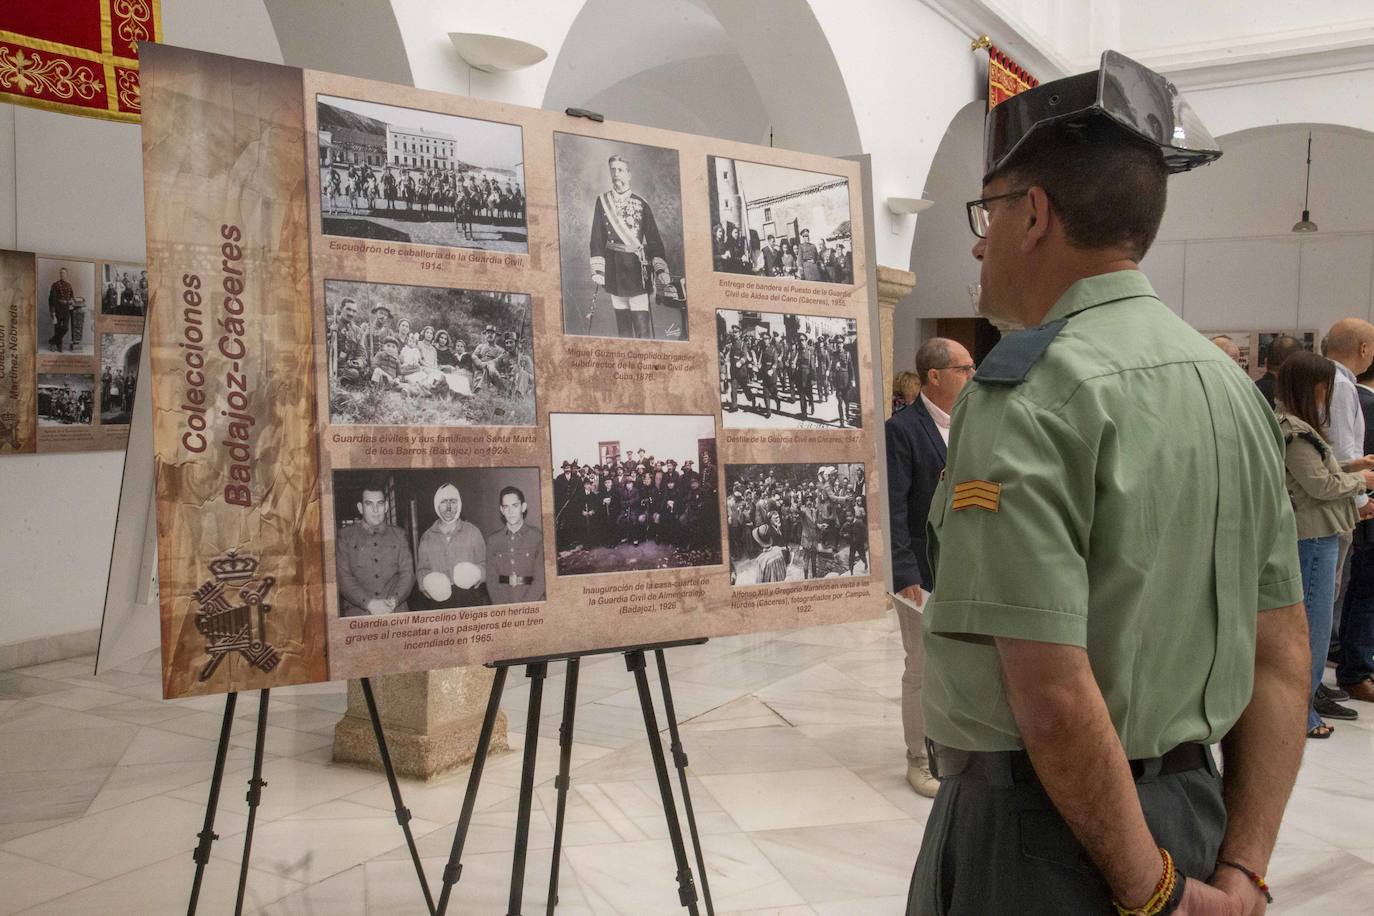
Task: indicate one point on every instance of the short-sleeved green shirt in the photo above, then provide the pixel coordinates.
(1127, 497)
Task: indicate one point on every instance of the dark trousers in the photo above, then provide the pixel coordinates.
(1356, 659)
(994, 846)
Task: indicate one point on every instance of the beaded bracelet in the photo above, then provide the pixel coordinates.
(1166, 895)
(1255, 878)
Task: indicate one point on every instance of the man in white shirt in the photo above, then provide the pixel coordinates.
(1350, 345)
(917, 438)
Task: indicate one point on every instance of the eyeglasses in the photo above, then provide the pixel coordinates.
(967, 368)
(978, 215)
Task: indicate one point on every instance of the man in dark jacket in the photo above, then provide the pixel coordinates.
(916, 441)
(1355, 661)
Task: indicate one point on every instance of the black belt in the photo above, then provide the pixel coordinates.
(515, 580)
(998, 766)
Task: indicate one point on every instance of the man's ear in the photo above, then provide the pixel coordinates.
(1037, 218)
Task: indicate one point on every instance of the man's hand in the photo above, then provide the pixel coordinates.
(1367, 510)
(916, 596)
(377, 606)
(1361, 464)
(1246, 899)
(600, 280)
(1204, 900)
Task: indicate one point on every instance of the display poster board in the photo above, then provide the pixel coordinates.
(71, 336)
(1254, 346)
(439, 381)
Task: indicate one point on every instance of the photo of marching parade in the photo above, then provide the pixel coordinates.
(620, 507)
(796, 521)
(404, 175)
(771, 221)
(420, 540)
(424, 356)
(789, 371)
(65, 399)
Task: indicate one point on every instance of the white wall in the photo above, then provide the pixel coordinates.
(74, 185)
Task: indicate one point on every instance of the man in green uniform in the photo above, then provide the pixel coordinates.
(375, 571)
(515, 554)
(1115, 560)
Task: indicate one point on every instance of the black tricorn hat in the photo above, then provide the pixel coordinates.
(1144, 104)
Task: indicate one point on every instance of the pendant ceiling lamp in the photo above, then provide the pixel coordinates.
(1305, 224)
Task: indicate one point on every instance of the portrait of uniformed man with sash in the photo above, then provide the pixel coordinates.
(620, 239)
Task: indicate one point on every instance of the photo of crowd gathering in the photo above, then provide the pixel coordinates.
(620, 507)
(796, 521)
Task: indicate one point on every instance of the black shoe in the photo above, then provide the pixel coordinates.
(1331, 693)
(1330, 709)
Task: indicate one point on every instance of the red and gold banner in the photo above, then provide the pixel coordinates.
(1005, 78)
(76, 56)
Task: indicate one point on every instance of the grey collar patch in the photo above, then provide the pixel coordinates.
(1011, 360)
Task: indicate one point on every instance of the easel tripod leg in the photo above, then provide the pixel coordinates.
(686, 890)
(680, 762)
(254, 796)
(536, 673)
(402, 812)
(454, 869)
(562, 783)
(207, 834)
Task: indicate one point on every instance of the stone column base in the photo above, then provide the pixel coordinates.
(432, 721)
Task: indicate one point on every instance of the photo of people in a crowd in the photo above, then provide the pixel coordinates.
(426, 356)
(789, 522)
(620, 239)
(790, 371)
(634, 492)
(124, 290)
(421, 540)
(66, 306)
(405, 175)
(65, 399)
(119, 355)
(772, 221)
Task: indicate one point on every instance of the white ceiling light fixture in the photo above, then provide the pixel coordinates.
(906, 206)
(496, 53)
(1305, 224)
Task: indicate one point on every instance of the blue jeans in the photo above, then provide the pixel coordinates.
(1317, 557)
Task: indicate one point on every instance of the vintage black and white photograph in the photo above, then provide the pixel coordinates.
(66, 306)
(620, 239)
(772, 221)
(119, 355)
(426, 356)
(788, 371)
(124, 290)
(634, 492)
(796, 521)
(420, 540)
(65, 399)
(405, 175)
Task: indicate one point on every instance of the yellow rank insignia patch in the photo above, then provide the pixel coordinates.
(977, 494)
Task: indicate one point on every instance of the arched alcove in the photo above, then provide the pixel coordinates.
(1225, 258)
(940, 249)
(707, 66)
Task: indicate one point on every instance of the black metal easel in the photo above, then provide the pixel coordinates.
(536, 669)
(207, 835)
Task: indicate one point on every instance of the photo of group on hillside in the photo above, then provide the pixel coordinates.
(426, 356)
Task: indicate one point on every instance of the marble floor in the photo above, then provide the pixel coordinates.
(797, 776)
